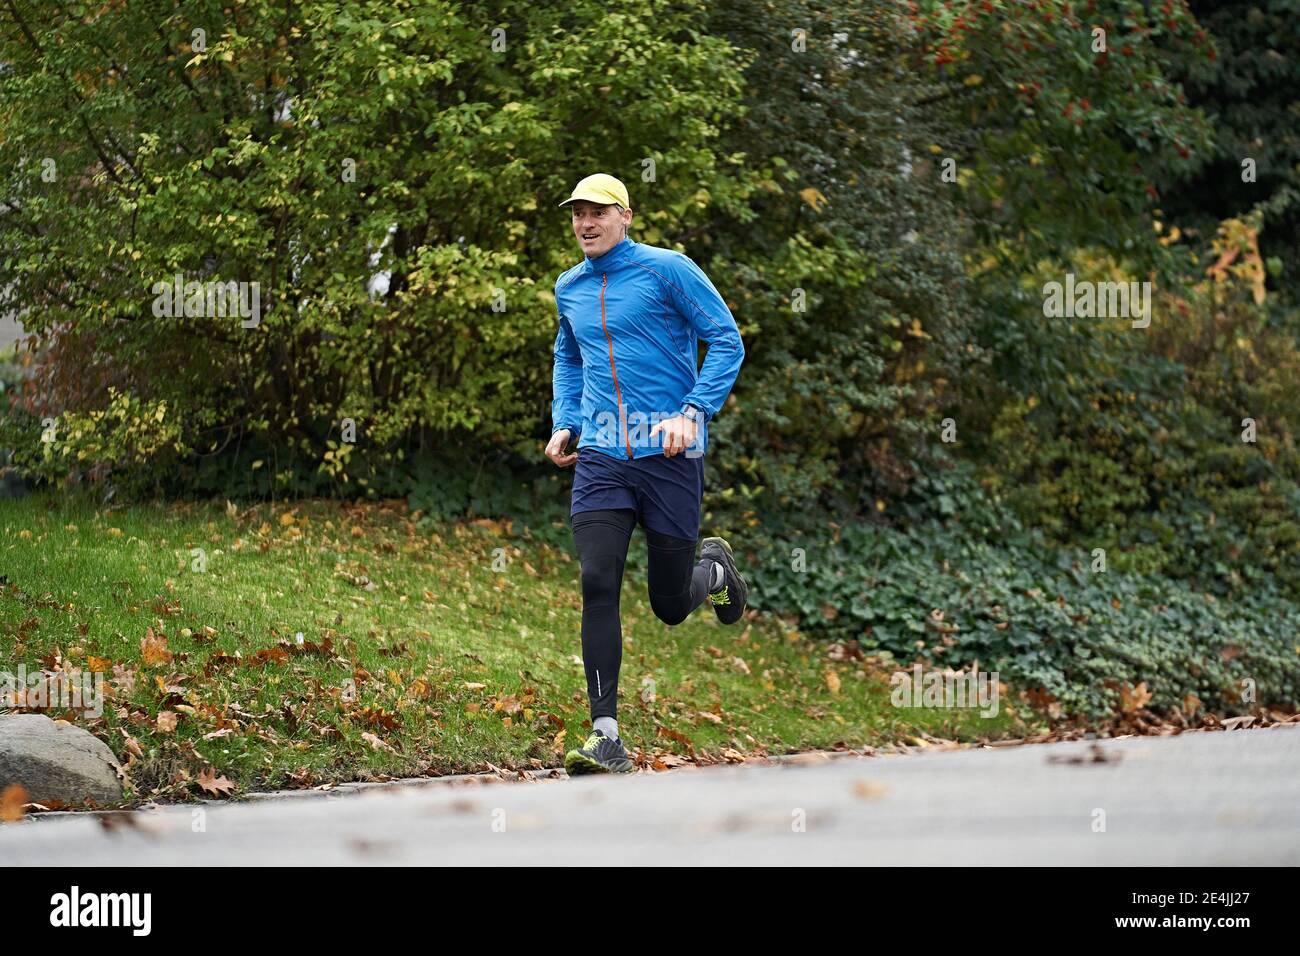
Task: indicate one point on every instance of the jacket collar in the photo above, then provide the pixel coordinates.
(610, 260)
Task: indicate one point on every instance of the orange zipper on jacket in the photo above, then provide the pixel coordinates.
(618, 396)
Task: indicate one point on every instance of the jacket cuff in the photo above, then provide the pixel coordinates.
(693, 411)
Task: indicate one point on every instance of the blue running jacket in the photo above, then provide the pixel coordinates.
(626, 350)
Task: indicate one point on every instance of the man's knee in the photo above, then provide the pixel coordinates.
(601, 577)
(669, 610)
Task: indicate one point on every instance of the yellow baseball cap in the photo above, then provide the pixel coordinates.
(600, 188)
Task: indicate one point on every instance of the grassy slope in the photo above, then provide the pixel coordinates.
(417, 621)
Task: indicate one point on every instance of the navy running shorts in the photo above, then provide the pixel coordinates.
(664, 492)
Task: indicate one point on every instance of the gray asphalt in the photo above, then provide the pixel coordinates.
(1226, 798)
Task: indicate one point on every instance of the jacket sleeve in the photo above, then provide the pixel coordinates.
(699, 303)
(566, 385)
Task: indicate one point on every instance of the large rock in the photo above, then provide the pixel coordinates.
(56, 761)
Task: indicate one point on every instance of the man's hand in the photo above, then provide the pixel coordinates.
(555, 449)
(679, 434)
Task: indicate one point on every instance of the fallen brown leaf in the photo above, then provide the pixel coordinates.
(869, 789)
(376, 742)
(153, 648)
(1134, 699)
(217, 786)
(12, 802)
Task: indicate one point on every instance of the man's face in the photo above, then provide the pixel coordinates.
(597, 227)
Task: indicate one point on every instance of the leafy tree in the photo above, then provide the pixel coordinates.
(1249, 87)
(308, 149)
(844, 269)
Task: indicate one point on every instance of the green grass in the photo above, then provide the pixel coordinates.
(456, 664)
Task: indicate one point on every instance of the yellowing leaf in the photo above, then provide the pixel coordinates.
(813, 197)
(12, 803)
(153, 648)
(1134, 698)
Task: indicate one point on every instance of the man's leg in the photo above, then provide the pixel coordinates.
(601, 539)
(669, 491)
(678, 583)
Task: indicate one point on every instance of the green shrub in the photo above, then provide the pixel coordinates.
(978, 586)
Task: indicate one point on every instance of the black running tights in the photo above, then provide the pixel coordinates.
(677, 584)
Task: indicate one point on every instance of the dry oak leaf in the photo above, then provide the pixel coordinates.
(217, 786)
(166, 721)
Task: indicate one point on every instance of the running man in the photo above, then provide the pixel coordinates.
(626, 384)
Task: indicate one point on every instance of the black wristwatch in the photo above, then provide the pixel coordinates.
(694, 414)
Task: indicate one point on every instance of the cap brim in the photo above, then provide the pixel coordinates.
(599, 200)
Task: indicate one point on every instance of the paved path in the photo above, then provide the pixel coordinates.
(1197, 799)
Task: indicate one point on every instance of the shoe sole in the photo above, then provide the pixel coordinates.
(729, 559)
(576, 763)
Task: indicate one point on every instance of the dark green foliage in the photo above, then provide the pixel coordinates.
(966, 583)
